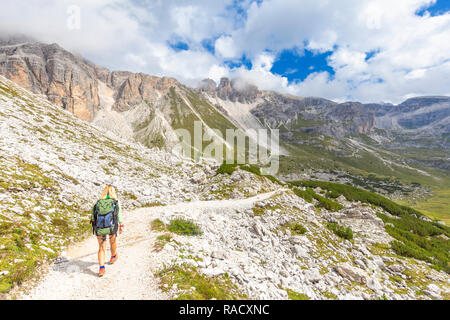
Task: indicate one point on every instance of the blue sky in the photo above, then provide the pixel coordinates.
(364, 50)
(439, 8)
(297, 66)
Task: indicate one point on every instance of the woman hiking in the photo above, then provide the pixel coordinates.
(106, 220)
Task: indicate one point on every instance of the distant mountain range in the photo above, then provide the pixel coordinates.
(402, 140)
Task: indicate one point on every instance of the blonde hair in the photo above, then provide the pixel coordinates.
(109, 189)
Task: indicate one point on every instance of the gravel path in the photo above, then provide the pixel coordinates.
(75, 277)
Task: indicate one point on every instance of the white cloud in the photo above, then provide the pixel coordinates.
(224, 47)
(412, 52)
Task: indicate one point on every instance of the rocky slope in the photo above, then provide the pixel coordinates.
(56, 165)
(257, 244)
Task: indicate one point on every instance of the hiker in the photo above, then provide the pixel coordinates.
(106, 220)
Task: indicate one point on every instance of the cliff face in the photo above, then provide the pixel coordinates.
(68, 81)
(140, 87)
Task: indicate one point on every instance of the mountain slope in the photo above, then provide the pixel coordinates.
(268, 238)
(54, 166)
(386, 148)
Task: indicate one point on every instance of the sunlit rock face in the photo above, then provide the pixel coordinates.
(67, 80)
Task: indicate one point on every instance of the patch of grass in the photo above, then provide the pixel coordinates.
(61, 225)
(296, 296)
(435, 207)
(329, 295)
(295, 228)
(158, 225)
(341, 231)
(129, 195)
(153, 204)
(161, 241)
(184, 227)
(196, 286)
(259, 210)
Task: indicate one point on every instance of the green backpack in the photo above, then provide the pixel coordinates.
(105, 215)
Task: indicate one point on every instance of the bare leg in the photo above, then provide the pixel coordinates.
(101, 250)
(113, 244)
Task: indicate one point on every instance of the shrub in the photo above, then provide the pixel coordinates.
(226, 168)
(333, 194)
(408, 251)
(328, 204)
(309, 195)
(341, 231)
(296, 228)
(355, 194)
(184, 227)
(273, 179)
(251, 168)
(417, 239)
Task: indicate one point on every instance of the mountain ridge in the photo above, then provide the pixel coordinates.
(150, 109)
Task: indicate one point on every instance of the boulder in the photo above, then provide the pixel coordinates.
(396, 268)
(351, 273)
(300, 252)
(313, 275)
(374, 285)
(219, 254)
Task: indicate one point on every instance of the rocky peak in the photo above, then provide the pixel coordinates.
(66, 80)
(207, 85)
(233, 90)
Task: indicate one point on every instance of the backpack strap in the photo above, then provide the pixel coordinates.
(94, 216)
(115, 215)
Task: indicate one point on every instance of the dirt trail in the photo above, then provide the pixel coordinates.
(131, 277)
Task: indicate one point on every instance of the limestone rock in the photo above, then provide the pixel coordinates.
(351, 273)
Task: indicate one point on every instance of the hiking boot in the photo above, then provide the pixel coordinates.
(101, 271)
(113, 259)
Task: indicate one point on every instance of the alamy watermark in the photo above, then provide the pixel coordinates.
(73, 17)
(254, 146)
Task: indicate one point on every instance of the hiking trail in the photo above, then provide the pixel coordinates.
(74, 276)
